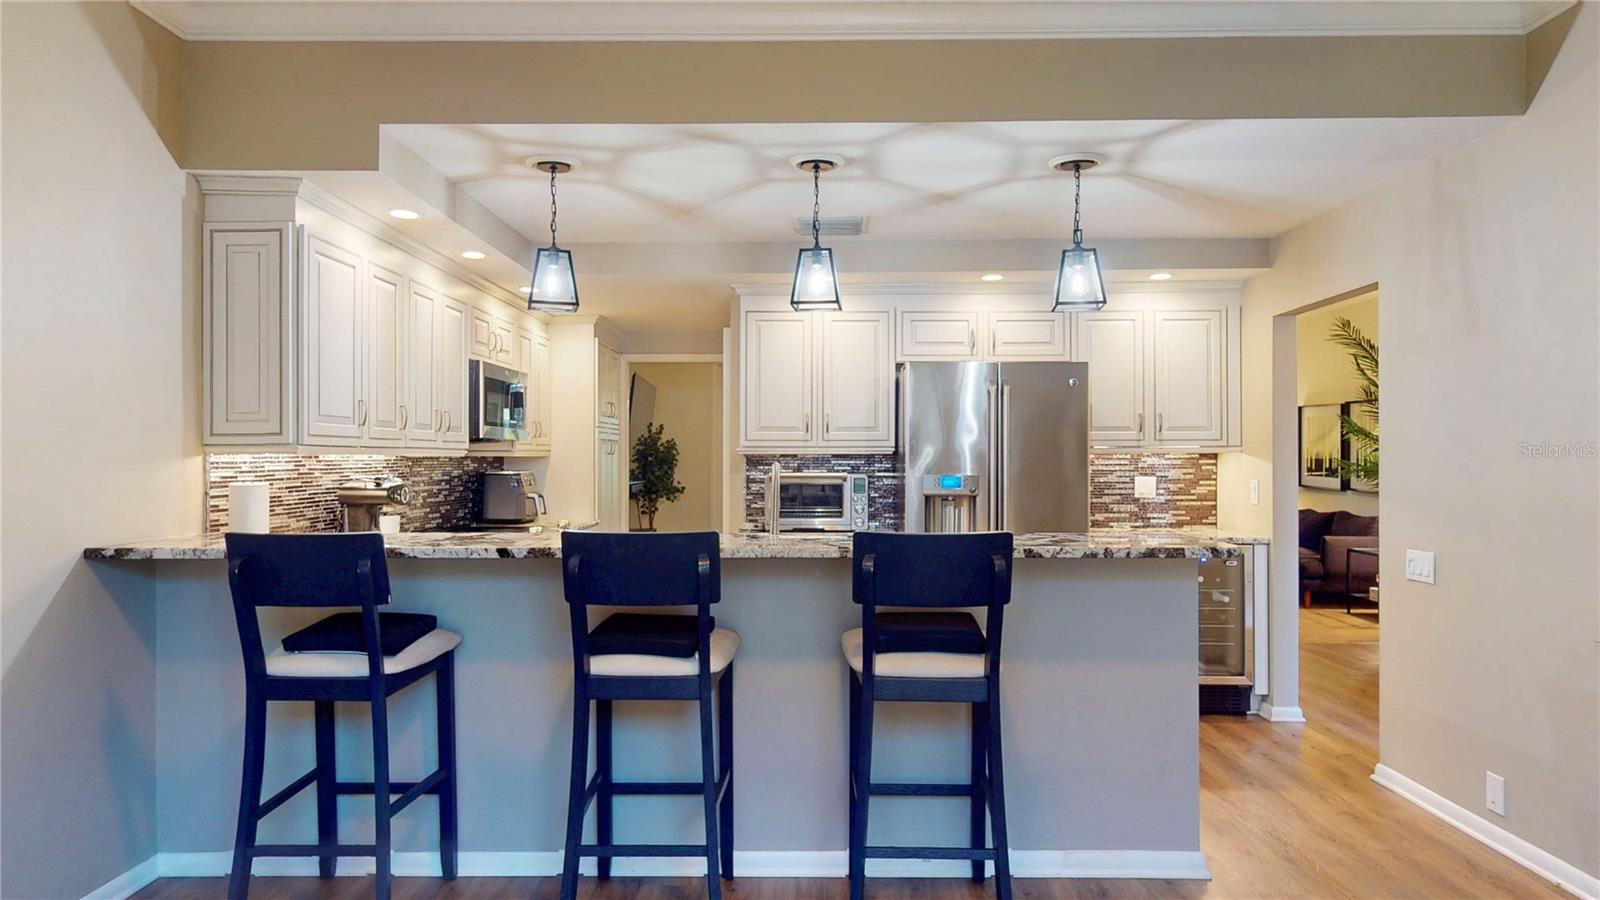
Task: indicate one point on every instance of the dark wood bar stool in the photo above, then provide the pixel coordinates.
(362, 661)
(929, 656)
(633, 656)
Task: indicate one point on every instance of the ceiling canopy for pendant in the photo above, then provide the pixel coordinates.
(554, 287)
(816, 283)
(1079, 287)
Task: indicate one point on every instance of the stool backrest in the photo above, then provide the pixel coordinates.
(602, 568)
(932, 571)
(306, 570)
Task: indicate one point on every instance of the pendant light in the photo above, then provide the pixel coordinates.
(816, 284)
(1079, 287)
(553, 288)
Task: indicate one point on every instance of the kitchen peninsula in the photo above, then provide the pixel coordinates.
(1099, 681)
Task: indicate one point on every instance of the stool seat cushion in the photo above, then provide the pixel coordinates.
(921, 632)
(916, 664)
(650, 634)
(342, 632)
(336, 664)
(724, 643)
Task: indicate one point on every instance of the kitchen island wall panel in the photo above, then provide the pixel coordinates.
(1098, 679)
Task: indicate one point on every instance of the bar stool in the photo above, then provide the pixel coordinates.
(633, 656)
(364, 662)
(922, 656)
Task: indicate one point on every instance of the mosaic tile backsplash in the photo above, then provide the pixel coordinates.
(1186, 488)
(303, 490)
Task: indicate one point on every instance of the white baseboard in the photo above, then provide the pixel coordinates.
(1541, 862)
(1162, 864)
(1282, 713)
(128, 883)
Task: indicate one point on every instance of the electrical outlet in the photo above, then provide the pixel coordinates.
(1494, 793)
(1419, 566)
(1255, 492)
(1144, 487)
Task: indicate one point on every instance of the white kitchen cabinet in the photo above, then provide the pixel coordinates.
(481, 337)
(857, 378)
(939, 334)
(249, 339)
(505, 343)
(533, 360)
(778, 364)
(1113, 344)
(608, 385)
(1189, 375)
(424, 311)
(452, 374)
(610, 476)
(331, 345)
(1028, 335)
(385, 343)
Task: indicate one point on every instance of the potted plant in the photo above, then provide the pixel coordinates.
(1360, 421)
(654, 468)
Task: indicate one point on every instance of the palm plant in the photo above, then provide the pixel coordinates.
(1363, 435)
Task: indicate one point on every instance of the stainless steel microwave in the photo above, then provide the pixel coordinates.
(816, 501)
(497, 407)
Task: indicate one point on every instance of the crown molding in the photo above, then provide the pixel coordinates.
(1001, 289)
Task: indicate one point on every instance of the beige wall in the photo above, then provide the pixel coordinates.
(689, 404)
(1485, 259)
(1326, 376)
(100, 427)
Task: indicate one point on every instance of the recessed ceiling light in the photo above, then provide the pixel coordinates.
(993, 276)
(472, 254)
(1160, 276)
(526, 289)
(405, 214)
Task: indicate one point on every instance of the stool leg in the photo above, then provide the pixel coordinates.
(244, 839)
(980, 750)
(708, 790)
(380, 795)
(445, 704)
(725, 767)
(997, 801)
(604, 796)
(854, 727)
(575, 792)
(327, 794)
(863, 799)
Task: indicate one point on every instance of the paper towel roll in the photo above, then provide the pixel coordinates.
(247, 507)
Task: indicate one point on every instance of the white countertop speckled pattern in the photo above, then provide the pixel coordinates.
(1105, 544)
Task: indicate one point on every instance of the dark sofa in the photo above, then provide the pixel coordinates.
(1324, 539)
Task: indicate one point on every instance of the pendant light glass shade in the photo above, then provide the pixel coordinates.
(554, 288)
(1078, 284)
(815, 283)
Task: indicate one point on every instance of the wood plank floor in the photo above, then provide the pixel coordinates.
(1286, 811)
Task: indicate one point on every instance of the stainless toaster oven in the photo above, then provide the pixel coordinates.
(816, 501)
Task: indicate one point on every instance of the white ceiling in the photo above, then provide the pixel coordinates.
(1176, 179)
(525, 20)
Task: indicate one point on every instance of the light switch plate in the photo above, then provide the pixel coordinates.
(1494, 793)
(1255, 492)
(1144, 487)
(1419, 566)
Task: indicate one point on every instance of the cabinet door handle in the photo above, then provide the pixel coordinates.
(994, 340)
(805, 423)
(438, 421)
(827, 424)
(1141, 423)
(402, 417)
(447, 421)
(972, 338)
(1160, 424)
(361, 411)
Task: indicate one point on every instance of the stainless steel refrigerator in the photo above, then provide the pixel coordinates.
(995, 446)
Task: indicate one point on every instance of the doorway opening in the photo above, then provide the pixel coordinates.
(682, 395)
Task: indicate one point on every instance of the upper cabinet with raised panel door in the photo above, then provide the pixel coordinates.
(1190, 375)
(608, 384)
(818, 380)
(533, 361)
(1028, 335)
(974, 334)
(1113, 344)
(324, 331)
(938, 334)
(249, 333)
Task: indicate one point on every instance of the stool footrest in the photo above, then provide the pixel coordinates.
(429, 785)
(920, 789)
(617, 850)
(312, 850)
(283, 796)
(366, 788)
(929, 853)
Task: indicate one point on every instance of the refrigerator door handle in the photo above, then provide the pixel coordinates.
(1002, 488)
(993, 488)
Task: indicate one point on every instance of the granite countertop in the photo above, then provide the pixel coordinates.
(1102, 544)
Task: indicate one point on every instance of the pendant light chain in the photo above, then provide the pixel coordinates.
(552, 205)
(816, 204)
(1077, 204)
